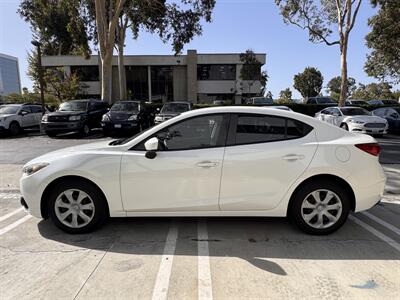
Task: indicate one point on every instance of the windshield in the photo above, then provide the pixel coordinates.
(174, 108)
(9, 109)
(325, 100)
(74, 106)
(126, 140)
(262, 101)
(392, 102)
(355, 112)
(125, 106)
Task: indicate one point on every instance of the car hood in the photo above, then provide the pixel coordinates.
(119, 115)
(168, 114)
(6, 115)
(367, 119)
(91, 147)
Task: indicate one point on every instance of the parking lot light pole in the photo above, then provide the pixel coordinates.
(40, 70)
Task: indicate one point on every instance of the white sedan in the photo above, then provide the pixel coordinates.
(223, 161)
(354, 119)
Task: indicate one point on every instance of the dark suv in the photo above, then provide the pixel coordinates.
(75, 116)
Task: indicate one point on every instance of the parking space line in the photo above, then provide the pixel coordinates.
(375, 232)
(203, 261)
(160, 291)
(5, 217)
(15, 224)
(383, 223)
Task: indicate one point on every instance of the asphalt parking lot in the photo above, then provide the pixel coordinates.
(187, 258)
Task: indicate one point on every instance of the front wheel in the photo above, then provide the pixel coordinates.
(14, 128)
(320, 207)
(85, 130)
(344, 126)
(77, 207)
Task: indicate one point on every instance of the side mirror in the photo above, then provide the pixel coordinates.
(151, 147)
(23, 112)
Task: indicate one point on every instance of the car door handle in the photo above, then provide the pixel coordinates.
(293, 157)
(207, 164)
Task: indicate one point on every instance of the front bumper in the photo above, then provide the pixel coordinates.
(62, 126)
(123, 125)
(361, 128)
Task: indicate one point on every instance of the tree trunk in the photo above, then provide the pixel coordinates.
(106, 78)
(121, 72)
(343, 84)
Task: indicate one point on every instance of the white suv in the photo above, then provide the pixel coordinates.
(14, 117)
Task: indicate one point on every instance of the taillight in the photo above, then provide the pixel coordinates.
(372, 148)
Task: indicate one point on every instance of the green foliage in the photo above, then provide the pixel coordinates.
(49, 100)
(384, 40)
(333, 87)
(373, 91)
(309, 83)
(62, 86)
(251, 68)
(285, 96)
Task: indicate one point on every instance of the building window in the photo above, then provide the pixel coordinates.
(86, 73)
(216, 72)
(162, 87)
(137, 84)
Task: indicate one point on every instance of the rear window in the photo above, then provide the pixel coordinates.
(261, 129)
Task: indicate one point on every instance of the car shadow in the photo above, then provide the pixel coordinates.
(258, 241)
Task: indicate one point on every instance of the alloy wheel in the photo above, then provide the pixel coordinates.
(74, 208)
(321, 209)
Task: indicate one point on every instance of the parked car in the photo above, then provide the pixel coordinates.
(172, 109)
(383, 102)
(328, 101)
(127, 116)
(221, 102)
(392, 115)
(355, 119)
(220, 161)
(353, 102)
(16, 117)
(75, 116)
(260, 101)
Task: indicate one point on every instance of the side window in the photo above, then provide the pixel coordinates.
(196, 133)
(336, 112)
(258, 129)
(296, 129)
(27, 109)
(326, 111)
(36, 109)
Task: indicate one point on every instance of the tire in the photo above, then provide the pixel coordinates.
(304, 205)
(65, 198)
(107, 132)
(344, 126)
(14, 128)
(85, 131)
(51, 134)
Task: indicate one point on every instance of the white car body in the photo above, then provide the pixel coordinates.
(23, 116)
(368, 124)
(240, 180)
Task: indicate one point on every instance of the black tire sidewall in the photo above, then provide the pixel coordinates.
(101, 212)
(14, 128)
(295, 206)
(84, 133)
(344, 126)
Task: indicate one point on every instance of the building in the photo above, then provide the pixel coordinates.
(198, 78)
(10, 81)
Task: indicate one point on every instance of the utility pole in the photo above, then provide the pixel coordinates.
(40, 70)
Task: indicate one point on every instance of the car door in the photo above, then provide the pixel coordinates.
(185, 175)
(27, 117)
(337, 117)
(37, 113)
(326, 116)
(264, 156)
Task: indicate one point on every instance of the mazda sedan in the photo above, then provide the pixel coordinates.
(224, 161)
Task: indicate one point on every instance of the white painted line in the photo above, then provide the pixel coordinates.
(383, 223)
(377, 233)
(160, 291)
(5, 217)
(204, 282)
(15, 224)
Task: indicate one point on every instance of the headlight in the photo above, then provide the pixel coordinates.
(159, 118)
(29, 170)
(45, 118)
(105, 118)
(356, 121)
(132, 118)
(74, 118)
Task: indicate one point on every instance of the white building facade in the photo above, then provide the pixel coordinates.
(198, 78)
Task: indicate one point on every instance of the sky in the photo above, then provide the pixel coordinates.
(237, 25)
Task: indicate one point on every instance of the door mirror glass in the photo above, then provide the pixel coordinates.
(152, 144)
(23, 112)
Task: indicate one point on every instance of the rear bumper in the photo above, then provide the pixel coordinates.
(369, 196)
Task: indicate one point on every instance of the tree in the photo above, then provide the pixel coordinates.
(285, 95)
(373, 91)
(384, 41)
(251, 69)
(62, 86)
(334, 84)
(173, 23)
(319, 17)
(308, 83)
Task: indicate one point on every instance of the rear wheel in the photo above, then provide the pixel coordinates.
(77, 207)
(14, 128)
(344, 126)
(320, 207)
